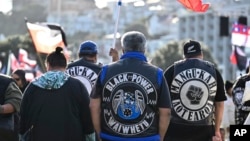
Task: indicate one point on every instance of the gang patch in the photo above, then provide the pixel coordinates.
(191, 92)
(129, 95)
(86, 75)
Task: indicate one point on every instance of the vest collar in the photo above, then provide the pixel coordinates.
(137, 55)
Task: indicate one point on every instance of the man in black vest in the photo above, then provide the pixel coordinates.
(130, 100)
(86, 68)
(10, 101)
(197, 94)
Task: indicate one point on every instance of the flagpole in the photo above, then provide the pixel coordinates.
(113, 52)
(8, 69)
(38, 55)
(117, 21)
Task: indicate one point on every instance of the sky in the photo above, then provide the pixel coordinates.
(5, 5)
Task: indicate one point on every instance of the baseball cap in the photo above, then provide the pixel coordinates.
(192, 48)
(88, 47)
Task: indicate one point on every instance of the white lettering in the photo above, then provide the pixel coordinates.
(240, 132)
(125, 129)
(192, 115)
(138, 79)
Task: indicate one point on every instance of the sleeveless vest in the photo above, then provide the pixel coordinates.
(85, 71)
(193, 90)
(129, 98)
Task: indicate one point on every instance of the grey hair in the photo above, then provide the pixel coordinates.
(133, 41)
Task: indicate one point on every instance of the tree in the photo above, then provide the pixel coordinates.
(167, 55)
(14, 42)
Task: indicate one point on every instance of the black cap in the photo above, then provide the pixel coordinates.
(192, 48)
(88, 47)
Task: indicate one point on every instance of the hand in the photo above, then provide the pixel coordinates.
(217, 137)
(114, 53)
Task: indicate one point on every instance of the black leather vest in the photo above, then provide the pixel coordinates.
(129, 99)
(85, 71)
(193, 90)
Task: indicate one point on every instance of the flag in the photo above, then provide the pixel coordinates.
(21, 60)
(46, 37)
(239, 34)
(233, 58)
(8, 70)
(240, 40)
(195, 5)
(248, 38)
(239, 57)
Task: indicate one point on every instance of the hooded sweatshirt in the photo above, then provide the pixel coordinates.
(57, 106)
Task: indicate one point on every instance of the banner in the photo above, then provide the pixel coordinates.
(239, 58)
(239, 34)
(240, 41)
(46, 37)
(22, 61)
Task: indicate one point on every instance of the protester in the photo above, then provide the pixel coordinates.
(197, 94)
(86, 68)
(130, 100)
(20, 79)
(10, 101)
(229, 109)
(55, 106)
(241, 97)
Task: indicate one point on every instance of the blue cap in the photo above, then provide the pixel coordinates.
(88, 47)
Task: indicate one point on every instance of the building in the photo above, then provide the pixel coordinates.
(84, 16)
(205, 27)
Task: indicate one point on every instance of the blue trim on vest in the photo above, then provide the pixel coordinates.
(115, 138)
(137, 55)
(159, 76)
(103, 73)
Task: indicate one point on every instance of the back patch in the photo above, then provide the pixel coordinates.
(86, 75)
(129, 94)
(191, 92)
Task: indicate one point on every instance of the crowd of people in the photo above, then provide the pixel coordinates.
(127, 99)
